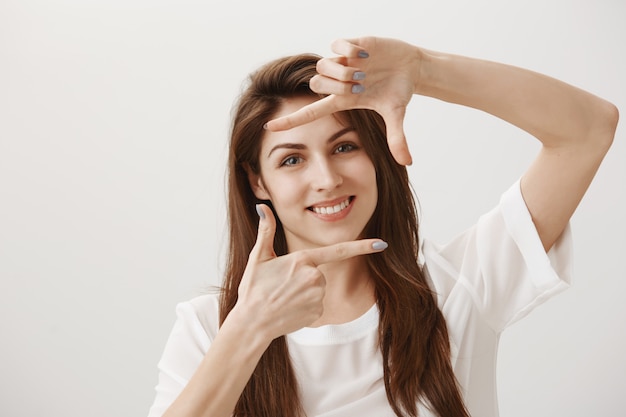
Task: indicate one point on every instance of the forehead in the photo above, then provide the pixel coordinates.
(291, 104)
(321, 128)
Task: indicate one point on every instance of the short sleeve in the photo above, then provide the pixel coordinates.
(185, 349)
(501, 263)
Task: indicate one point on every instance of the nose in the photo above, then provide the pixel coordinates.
(325, 176)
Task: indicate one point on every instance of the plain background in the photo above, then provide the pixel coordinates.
(114, 117)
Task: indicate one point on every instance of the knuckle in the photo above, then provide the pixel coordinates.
(310, 114)
(315, 82)
(322, 284)
(320, 65)
(288, 123)
(341, 251)
(347, 88)
(346, 73)
(300, 259)
(314, 277)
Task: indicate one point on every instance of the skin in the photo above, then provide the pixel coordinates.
(278, 295)
(323, 279)
(575, 127)
(321, 164)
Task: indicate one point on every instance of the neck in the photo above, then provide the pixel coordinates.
(349, 291)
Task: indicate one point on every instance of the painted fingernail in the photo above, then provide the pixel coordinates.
(363, 54)
(379, 245)
(260, 211)
(357, 88)
(358, 75)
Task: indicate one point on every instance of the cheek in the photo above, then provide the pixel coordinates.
(365, 172)
(283, 190)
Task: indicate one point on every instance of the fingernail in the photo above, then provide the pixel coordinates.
(260, 211)
(379, 245)
(363, 54)
(358, 75)
(265, 126)
(357, 88)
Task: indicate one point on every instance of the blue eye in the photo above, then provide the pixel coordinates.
(291, 160)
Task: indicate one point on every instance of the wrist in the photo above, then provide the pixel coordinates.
(428, 71)
(250, 324)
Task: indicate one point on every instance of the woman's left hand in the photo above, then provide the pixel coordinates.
(370, 73)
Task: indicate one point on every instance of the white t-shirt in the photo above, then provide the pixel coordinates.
(485, 279)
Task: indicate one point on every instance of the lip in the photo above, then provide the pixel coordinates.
(331, 203)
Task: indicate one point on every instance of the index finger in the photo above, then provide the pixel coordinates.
(306, 114)
(345, 250)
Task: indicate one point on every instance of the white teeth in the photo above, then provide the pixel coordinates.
(332, 209)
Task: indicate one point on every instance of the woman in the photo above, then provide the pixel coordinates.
(329, 305)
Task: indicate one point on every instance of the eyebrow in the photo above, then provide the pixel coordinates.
(331, 139)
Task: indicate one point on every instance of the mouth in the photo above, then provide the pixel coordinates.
(332, 207)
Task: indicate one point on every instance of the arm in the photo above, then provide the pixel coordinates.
(224, 371)
(277, 296)
(575, 127)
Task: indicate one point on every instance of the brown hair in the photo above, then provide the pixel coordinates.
(413, 337)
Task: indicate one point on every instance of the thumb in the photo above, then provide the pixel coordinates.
(396, 138)
(264, 247)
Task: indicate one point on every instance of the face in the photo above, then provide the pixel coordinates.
(319, 179)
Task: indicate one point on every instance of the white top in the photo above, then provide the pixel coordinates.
(485, 279)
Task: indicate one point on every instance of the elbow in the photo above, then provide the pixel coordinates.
(614, 119)
(606, 125)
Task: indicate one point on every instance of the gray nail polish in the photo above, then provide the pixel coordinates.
(363, 54)
(380, 245)
(358, 75)
(260, 212)
(357, 88)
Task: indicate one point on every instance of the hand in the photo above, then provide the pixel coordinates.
(285, 293)
(391, 76)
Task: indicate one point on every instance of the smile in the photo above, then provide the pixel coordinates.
(334, 209)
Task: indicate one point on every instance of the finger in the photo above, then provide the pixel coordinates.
(395, 137)
(349, 48)
(338, 69)
(264, 247)
(345, 250)
(325, 85)
(306, 114)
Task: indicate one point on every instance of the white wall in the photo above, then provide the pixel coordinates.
(113, 125)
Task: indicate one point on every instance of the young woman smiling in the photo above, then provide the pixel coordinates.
(330, 306)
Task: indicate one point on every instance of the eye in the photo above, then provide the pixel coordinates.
(345, 147)
(291, 160)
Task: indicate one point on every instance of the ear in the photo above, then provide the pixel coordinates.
(256, 183)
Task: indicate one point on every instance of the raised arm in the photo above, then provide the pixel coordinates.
(575, 127)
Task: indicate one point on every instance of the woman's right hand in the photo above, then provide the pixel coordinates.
(281, 294)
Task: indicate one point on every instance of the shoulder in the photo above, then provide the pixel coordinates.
(201, 313)
(498, 240)
(204, 302)
(499, 263)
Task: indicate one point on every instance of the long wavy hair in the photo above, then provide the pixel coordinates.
(413, 337)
